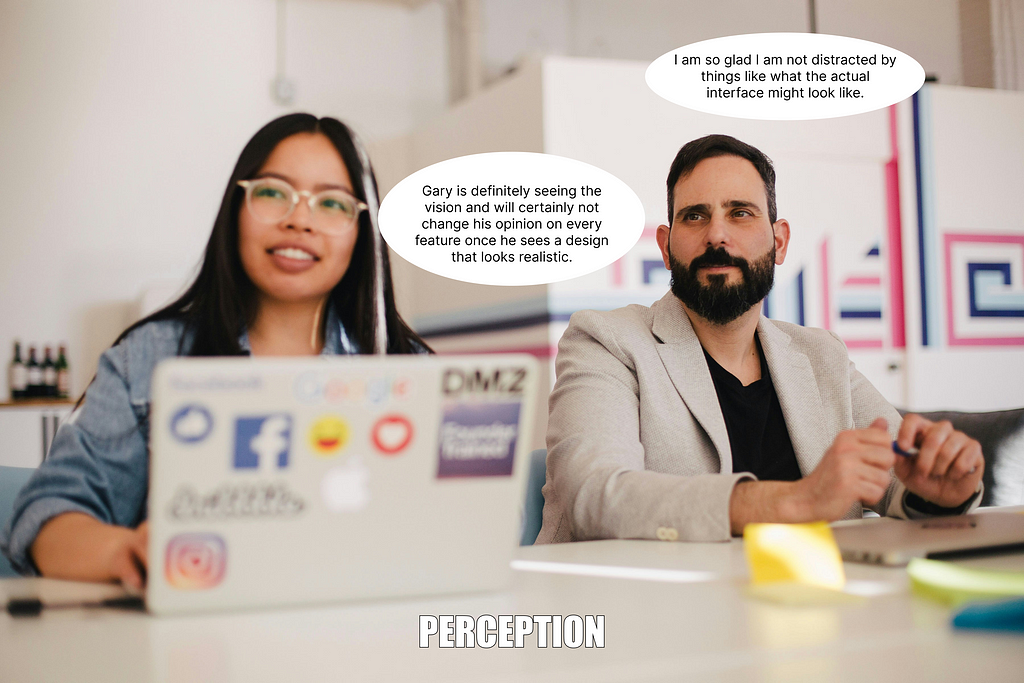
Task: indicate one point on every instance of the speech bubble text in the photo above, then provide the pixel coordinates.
(785, 76)
(511, 218)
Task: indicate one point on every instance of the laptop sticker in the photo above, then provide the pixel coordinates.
(235, 501)
(322, 387)
(260, 441)
(347, 488)
(195, 561)
(391, 434)
(328, 435)
(191, 424)
(478, 439)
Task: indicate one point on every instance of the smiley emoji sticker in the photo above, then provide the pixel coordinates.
(328, 435)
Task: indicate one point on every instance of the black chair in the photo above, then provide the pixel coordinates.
(1001, 435)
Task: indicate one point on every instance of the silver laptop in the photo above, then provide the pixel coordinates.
(897, 541)
(291, 481)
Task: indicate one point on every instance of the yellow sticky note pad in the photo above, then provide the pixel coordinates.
(797, 553)
(800, 594)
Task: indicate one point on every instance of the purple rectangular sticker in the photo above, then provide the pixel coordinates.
(477, 439)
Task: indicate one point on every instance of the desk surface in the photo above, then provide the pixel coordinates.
(686, 618)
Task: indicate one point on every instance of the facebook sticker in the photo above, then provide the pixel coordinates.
(262, 440)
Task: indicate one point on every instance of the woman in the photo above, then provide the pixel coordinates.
(291, 269)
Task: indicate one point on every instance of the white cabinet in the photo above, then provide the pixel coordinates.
(27, 429)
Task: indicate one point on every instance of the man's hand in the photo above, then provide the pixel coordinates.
(948, 465)
(79, 547)
(854, 469)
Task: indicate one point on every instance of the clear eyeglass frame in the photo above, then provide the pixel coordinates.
(312, 200)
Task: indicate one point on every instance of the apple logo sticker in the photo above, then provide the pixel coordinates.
(347, 488)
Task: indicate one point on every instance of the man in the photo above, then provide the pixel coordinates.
(691, 418)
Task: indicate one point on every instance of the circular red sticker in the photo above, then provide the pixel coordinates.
(391, 434)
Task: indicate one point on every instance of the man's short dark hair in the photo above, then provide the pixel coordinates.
(696, 151)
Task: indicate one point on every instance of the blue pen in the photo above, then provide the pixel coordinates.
(912, 453)
(906, 454)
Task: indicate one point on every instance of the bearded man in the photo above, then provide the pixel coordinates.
(688, 419)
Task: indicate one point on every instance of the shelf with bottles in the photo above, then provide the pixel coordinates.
(29, 380)
(38, 403)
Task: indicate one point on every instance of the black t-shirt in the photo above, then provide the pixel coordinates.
(757, 429)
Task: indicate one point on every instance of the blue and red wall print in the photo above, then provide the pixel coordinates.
(984, 289)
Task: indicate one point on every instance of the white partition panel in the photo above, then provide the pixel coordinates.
(965, 250)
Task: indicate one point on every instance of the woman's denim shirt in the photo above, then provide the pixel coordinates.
(99, 460)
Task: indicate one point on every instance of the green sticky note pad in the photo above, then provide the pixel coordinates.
(953, 584)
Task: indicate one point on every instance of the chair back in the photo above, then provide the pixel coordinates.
(533, 505)
(12, 479)
(1001, 434)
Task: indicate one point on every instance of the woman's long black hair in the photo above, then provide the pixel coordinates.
(222, 300)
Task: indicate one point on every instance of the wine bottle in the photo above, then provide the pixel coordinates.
(17, 375)
(34, 375)
(49, 375)
(63, 374)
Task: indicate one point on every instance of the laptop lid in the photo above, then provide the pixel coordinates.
(897, 541)
(290, 481)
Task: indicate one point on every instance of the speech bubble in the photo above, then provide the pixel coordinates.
(511, 218)
(785, 76)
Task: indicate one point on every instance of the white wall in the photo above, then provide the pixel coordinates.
(927, 30)
(120, 121)
(1008, 43)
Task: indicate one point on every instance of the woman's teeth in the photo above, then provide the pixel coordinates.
(297, 254)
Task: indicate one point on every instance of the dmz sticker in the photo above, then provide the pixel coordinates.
(191, 423)
(478, 439)
(195, 561)
(262, 440)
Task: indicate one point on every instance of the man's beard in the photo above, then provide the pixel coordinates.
(717, 302)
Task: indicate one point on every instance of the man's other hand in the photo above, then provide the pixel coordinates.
(948, 465)
(854, 469)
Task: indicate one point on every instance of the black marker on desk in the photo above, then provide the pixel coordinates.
(32, 607)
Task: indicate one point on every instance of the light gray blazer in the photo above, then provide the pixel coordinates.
(637, 445)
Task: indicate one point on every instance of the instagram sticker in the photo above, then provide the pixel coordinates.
(195, 561)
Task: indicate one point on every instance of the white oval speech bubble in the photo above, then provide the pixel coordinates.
(785, 76)
(511, 218)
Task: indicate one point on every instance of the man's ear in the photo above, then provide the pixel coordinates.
(663, 234)
(781, 230)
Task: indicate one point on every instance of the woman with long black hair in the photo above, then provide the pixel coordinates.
(293, 267)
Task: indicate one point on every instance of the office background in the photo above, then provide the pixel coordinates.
(120, 122)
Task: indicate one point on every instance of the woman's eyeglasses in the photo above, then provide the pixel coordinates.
(271, 200)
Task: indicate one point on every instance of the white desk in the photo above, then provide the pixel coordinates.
(655, 631)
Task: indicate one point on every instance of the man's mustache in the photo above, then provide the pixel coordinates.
(718, 257)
